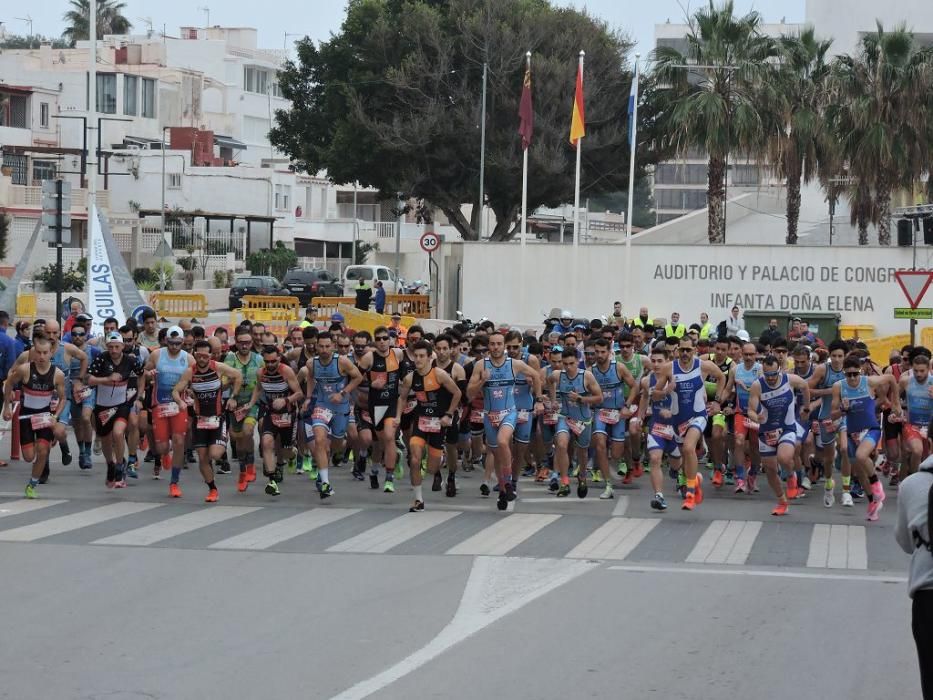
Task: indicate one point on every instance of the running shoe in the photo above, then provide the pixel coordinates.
(109, 483)
(502, 503)
(730, 478)
(553, 484)
(689, 502)
(326, 490)
(131, 471)
(740, 485)
(451, 486)
(44, 479)
(374, 480)
(805, 483)
(242, 482)
(717, 478)
(417, 507)
(66, 454)
(149, 457)
(542, 475)
(272, 488)
(358, 474)
(510, 494)
(563, 491)
(574, 471)
(874, 507)
(847, 499)
(293, 465)
(627, 479)
(279, 474)
(829, 498)
(638, 471)
(174, 490)
(780, 508)
(31, 491)
(621, 467)
(399, 464)
(120, 482)
(528, 471)
(607, 493)
(97, 447)
(312, 472)
(156, 471)
(389, 487)
(223, 467)
(84, 461)
(792, 489)
(753, 483)
(597, 477)
(211, 496)
(438, 481)
(658, 502)
(251, 473)
(484, 490)
(582, 489)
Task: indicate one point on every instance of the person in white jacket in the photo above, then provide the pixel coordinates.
(735, 323)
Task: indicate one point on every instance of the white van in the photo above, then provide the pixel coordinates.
(371, 273)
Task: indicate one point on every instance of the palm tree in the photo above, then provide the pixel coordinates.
(878, 108)
(110, 19)
(797, 145)
(716, 101)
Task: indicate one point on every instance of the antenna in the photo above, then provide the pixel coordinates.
(207, 14)
(28, 20)
(148, 22)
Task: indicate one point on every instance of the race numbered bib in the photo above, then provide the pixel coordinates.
(208, 422)
(429, 424)
(664, 431)
(857, 438)
(476, 416)
(576, 426)
(551, 418)
(322, 414)
(771, 437)
(240, 414)
(105, 415)
(130, 394)
(496, 417)
(683, 428)
(166, 410)
(81, 395)
(378, 380)
(609, 416)
(38, 421)
(282, 420)
(524, 415)
(410, 406)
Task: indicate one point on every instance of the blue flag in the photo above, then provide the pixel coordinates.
(631, 107)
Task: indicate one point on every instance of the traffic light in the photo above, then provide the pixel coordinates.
(905, 233)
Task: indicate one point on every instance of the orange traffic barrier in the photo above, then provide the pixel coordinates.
(417, 305)
(179, 304)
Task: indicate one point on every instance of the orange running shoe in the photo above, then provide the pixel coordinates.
(699, 489)
(211, 496)
(251, 472)
(627, 479)
(792, 490)
(717, 478)
(689, 502)
(174, 490)
(780, 508)
(639, 470)
(542, 474)
(242, 482)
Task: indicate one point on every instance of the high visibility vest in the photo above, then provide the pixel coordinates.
(706, 330)
(677, 332)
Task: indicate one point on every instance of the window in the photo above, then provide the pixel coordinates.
(107, 93)
(255, 130)
(43, 170)
(746, 174)
(43, 115)
(283, 194)
(680, 174)
(130, 95)
(149, 98)
(261, 81)
(382, 273)
(173, 181)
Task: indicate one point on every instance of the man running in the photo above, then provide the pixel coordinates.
(742, 377)
(245, 414)
(661, 427)
(39, 381)
(437, 396)
(917, 386)
(209, 436)
(821, 382)
(612, 413)
(444, 346)
(637, 364)
(277, 386)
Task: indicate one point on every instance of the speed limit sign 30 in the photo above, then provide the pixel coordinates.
(430, 241)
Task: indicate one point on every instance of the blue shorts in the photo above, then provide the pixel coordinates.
(872, 435)
(803, 431)
(668, 446)
(336, 427)
(616, 432)
(65, 416)
(788, 437)
(523, 425)
(582, 439)
(827, 437)
(697, 423)
(492, 432)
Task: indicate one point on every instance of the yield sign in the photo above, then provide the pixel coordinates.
(915, 284)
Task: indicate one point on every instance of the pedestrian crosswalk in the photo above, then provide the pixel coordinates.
(451, 532)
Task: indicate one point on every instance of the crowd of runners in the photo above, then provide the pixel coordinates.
(602, 403)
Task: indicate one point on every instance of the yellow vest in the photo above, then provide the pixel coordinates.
(672, 332)
(706, 330)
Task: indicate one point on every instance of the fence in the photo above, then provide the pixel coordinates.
(370, 320)
(417, 305)
(179, 305)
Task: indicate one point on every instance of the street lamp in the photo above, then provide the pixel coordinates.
(163, 246)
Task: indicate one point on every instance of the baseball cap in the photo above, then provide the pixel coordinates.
(743, 335)
(396, 315)
(174, 332)
(83, 318)
(557, 348)
(337, 317)
(114, 337)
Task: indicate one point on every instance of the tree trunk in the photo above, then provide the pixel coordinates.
(715, 199)
(862, 228)
(459, 222)
(793, 207)
(505, 224)
(883, 199)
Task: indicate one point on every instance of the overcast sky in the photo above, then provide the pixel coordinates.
(318, 18)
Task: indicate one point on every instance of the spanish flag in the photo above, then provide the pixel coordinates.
(577, 120)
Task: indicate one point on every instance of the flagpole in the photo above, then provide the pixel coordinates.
(92, 164)
(576, 210)
(633, 142)
(524, 212)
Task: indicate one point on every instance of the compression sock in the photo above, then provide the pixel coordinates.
(739, 471)
(325, 475)
(419, 496)
(692, 485)
(846, 483)
(829, 484)
(176, 474)
(211, 485)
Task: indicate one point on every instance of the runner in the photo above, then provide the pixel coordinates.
(244, 416)
(742, 377)
(40, 383)
(831, 431)
(444, 346)
(437, 396)
(80, 396)
(637, 364)
(661, 440)
(277, 387)
(209, 435)
(611, 424)
(917, 386)
(524, 404)
(362, 344)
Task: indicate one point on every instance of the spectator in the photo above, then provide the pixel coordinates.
(770, 334)
(643, 321)
(310, 316)
(805, 334)
(912, 533)
(70, 321)
(364, 295)
(617, 316)
(23, 339)
(706, 328)
(794, 333)
(380, 297)
(675, 329)
(734, 323)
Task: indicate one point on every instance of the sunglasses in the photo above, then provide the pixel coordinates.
(381, 337)
(514, 347)
(360, 348)
(853, 374)
(772, 374)
(75, 335)
(684, 349)
(625, 346)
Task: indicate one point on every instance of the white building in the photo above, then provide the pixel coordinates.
(847, 22)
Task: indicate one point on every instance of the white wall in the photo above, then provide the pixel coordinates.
(855, 282)
(844, 21)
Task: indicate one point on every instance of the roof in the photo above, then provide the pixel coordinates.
(229, 142)
(143, 213)
(20, 89)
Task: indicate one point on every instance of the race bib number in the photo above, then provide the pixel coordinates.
(378, 380)
(663, 430)
(609, 416)
(550, 418)
(208, 422)
(498, 393)
(41, 420)
(751, 425)
(576, 426)
(771, 437)
(322, 414)
(857, 438)
(410, 406)
(496, 417)
(682, 428)
(240, 414)
(524, 415)
(166, 410)
(105, 415)
(130, 394)
(282, 420)
(429, 424)
(81, 395)
(476, 416)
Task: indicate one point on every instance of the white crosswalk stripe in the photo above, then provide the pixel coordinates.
(503, 536)
(387, 535)
(838, 547)
(25, 505)
(288, 528)
(725, 542)
(74, 521)
(615, 539)
(179, 525)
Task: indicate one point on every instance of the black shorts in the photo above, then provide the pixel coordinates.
(407, 421)
(432, 440)
(106, 418)
(383, 411)
(892, 431)
(286, 434)
(208, 437)
(30, 436)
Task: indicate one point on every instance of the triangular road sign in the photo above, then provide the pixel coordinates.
(915, 284)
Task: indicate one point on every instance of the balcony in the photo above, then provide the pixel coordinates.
(29, 196)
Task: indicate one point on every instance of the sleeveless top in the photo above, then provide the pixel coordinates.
(566, 385)
(433, 399)
(829, 378)
(206, 389)
(384, 377)
(744, 378)
(328, 380)
(919, 402)
(860, 414)
(498, 390)
(691, 390)
(611, 385)
(37, 391)
(168, 372)
(779, 409)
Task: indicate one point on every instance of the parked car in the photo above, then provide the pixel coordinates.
(258, 284)
(371, 273)
(307, 284)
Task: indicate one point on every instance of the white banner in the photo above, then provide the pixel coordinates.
(103, 296)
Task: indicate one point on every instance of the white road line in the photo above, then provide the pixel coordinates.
(838, 547)
(725, 542)
(505, 535)
(614, 539)
(74, 521)
(285, 529)
(25, 505)
(561, 501)
(879, 578)
(621, 506)
(387, 535)
(179, 525)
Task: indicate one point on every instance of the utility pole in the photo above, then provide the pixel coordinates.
(482, 157)
(56, 218)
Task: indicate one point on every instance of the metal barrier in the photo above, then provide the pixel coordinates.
(261, 308)
(417, 305)
(26, 306)
(179, 304)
